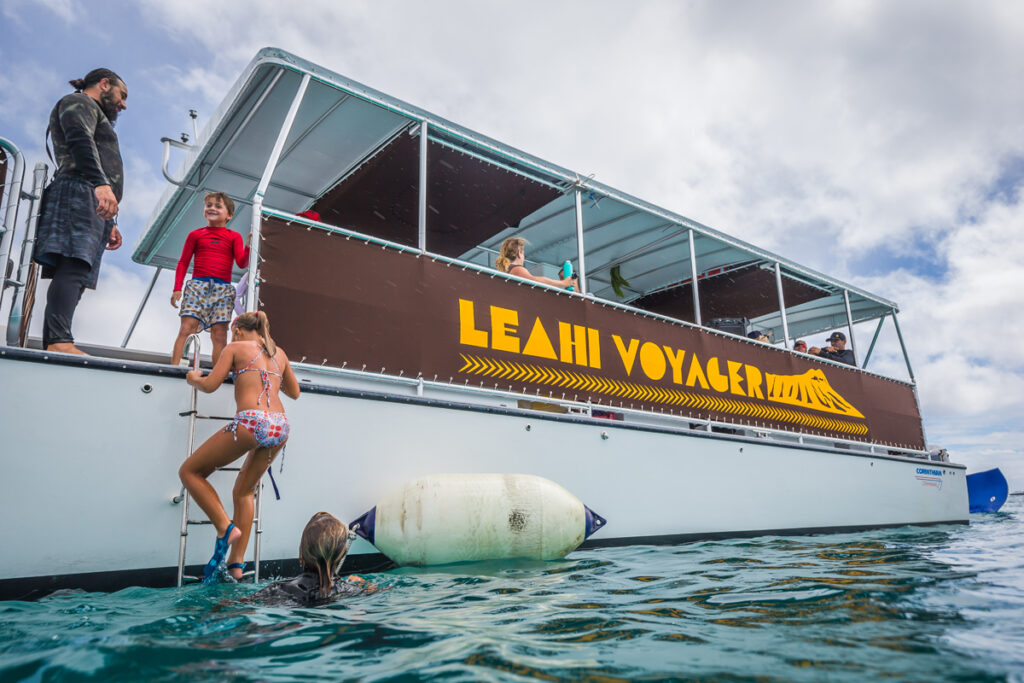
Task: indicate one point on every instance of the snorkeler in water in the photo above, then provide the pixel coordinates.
(322, 549)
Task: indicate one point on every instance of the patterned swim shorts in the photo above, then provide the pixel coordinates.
(209, 301)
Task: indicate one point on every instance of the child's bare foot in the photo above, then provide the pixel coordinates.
(66, 347)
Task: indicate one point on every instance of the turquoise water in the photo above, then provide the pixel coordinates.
(926, 604)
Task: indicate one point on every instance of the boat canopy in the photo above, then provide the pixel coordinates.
(357, 157)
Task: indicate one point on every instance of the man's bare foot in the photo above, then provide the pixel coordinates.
(66, 347)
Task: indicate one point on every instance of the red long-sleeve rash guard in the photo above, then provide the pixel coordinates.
(214, 250)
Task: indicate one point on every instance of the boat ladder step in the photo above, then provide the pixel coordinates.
(200, 416)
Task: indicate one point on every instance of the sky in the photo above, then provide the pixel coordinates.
(879, 142)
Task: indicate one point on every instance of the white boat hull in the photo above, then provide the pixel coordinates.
(90, 459)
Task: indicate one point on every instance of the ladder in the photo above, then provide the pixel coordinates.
(184, 499)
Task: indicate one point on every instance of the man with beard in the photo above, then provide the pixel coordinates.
(76, 220)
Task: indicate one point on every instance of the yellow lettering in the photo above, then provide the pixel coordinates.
(696, 373)
(572, 341)
(734, 378)
(504, 322)
(628, 355)
(539, 343)
(468, 334)
(594, 342)
(719, 382)
(652, 360)
(754, 382)
(675, 360)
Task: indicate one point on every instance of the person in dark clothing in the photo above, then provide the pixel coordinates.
(836, 350)
(322, 549)
(76, 221)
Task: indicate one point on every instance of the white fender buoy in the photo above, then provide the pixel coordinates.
(448, 518)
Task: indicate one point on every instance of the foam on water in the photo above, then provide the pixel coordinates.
(913, 603)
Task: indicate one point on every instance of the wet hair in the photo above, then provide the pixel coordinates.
(224, 199)
(323, 547)
(92, 78)
(257, 322)
(508, 253)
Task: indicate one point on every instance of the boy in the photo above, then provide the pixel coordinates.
(209, 295)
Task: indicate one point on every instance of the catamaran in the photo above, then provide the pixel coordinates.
(638, 391)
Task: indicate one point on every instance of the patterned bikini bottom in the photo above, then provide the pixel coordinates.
(270, 429)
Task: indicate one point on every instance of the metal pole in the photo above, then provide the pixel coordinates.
(906, 356)
(251, 295)
(17, 176)
(15, 323)
(138, 311)
(259, 532)
(782, 305)
(849, 324)
(873, 340)
(422, 223)
(581, 271)
(184, 497)
(910, 371)
(693, 279)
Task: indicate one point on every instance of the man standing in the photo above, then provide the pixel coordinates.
(76, 220)
(836, 350)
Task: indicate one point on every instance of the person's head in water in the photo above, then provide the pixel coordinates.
(323, 547)
(107, 88)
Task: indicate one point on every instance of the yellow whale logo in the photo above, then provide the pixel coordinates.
(809, 390)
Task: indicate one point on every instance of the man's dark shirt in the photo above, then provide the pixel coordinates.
(844, 356)
(85, 144)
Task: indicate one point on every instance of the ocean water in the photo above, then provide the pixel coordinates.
(910, 604)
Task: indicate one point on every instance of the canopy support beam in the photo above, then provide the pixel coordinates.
(251, 294)
(421, 240)
(873, 341)
(693, 278)
(906, 356)
(581, 271)
(138, 311)
(849, 324)
(782, 305)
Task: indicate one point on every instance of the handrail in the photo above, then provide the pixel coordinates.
(21, 307)
(194, 341)
(17, 177)
(644, 417)
(168, 143)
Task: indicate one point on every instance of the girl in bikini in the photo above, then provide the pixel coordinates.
(260, 369)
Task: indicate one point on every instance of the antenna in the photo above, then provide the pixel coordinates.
(192, 114)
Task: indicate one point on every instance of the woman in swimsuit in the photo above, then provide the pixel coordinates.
(511, 258)
(260, 369)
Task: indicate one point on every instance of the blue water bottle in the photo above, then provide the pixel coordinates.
(567, 272)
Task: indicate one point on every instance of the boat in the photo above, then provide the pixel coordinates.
(639, 392)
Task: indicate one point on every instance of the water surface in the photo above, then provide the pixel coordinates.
(912, 604)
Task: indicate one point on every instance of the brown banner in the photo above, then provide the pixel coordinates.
(342, 301)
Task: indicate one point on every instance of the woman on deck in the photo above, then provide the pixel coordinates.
(260, 369)
(511, 258)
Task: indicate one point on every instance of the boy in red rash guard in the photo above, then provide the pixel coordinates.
(209, 295)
